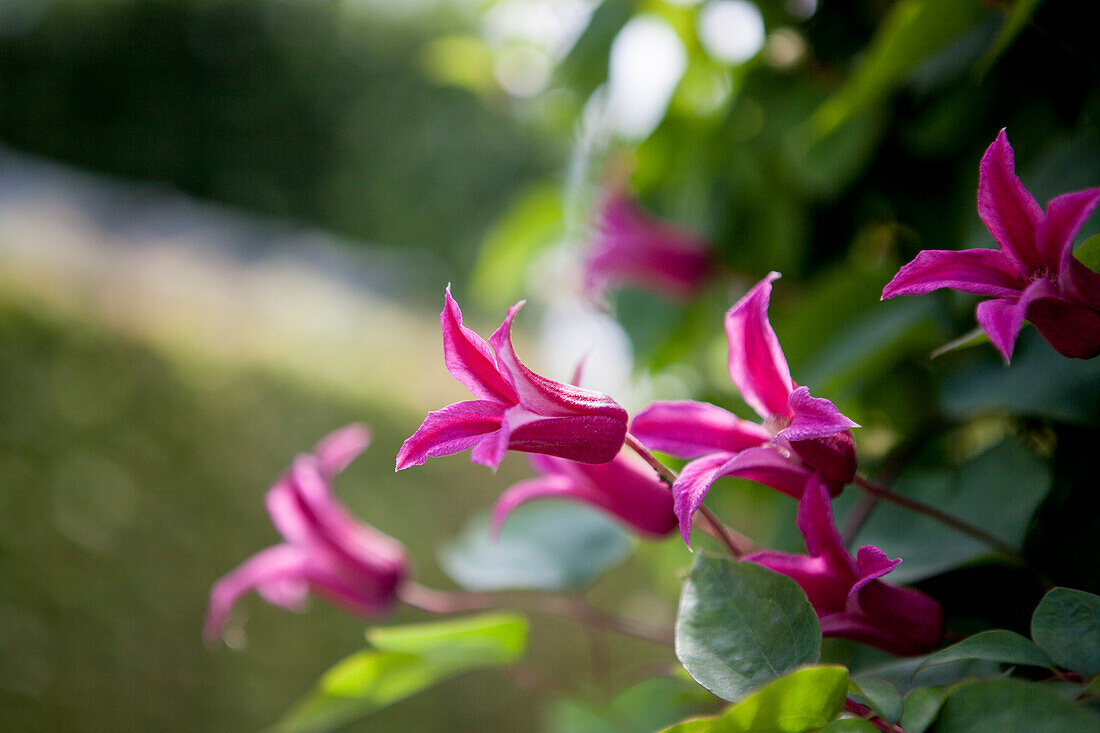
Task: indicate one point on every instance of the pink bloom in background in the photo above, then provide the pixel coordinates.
(634, 248)
(846, 592)
(516, 409)
(1033, 276)
(624, 487)
(327, 550)
(800, 435)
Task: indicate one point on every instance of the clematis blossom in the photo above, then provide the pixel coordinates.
(326, 551)
(1033, 276)
(847, 593)
(516, 409)
(624, 487)
(633, 248)
(799, 435)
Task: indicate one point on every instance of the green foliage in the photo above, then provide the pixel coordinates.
(548, 545)
(914, 30)
(881, 696)
(997, 645)
(1008, 476)
(647, 706)
(741, 625)
(1089, 253)
(803, 700)
(1012, 706)
(1066, 625)
(404, 661)
(1014, 22)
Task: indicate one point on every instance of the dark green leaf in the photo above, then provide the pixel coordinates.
(997, 645)
(741, 625)
(880, 695)
(849, 725)
(407, 660)
(921, 707)
(1067, 625)
(1011, 706)
(1021, 13)
(1008, 477)
(545, 545)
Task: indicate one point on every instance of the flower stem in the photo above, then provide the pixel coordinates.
(566, 606)
(878, 490)
(737, 543)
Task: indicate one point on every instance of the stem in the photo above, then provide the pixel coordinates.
(862, 711)
(737, 543)
(573, 607)
(881, 492)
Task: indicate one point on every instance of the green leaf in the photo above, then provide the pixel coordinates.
(850, 725)
(1012, 706)
(741, 626)
(880, 695)
(997, 645)
(658, 702)
(967, 340)
(921, 706)
(913, 31)
(1067, 625)
(407, 660)
(534, 221)
(1088, 252)
(1021, 13)
(803, 700)
(544, 545)
(1008, 476)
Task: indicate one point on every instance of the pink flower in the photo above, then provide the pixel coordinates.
(634, 248)
(846, 593)
(1033, 276)
(623, 487)
(327, 550)
(800, 435)
(516, 409)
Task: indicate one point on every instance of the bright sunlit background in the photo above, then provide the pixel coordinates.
(226, 227)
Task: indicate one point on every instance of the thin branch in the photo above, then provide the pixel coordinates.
(878, 490)
(572, 607)
(737, 543)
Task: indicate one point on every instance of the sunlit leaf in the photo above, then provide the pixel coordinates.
(406, 660)
(1089, 253)
(546, 545)
(741, 625)
(1067, 625)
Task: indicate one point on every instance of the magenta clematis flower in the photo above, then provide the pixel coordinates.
(634, 248)
(624, 487)
(326, 550)
(847, 594)
(800, 435)
(516, 409)
(1033, 276)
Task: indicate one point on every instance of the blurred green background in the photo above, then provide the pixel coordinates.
(225, 227)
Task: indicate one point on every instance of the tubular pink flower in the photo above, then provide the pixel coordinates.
(624, 487)
(634, 248)
(327, 550)
(800, 435)
(1033, 276)
(516, 410)
(846, 592)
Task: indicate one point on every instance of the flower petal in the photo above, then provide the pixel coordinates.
(338, 449)
(813, 417)
(1071, 327)
(1010, 213)
(540, 487)
(279, 569)
(583, 438)
(757, 365)
(691, 429)
(632, 247)
(450, 430)
(833, 458)
(978, 271)
(815, 522)
(910, 621)
(826, 590)
(1066, 214)
(764, 465)
(468, 358)
(1002, 318)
